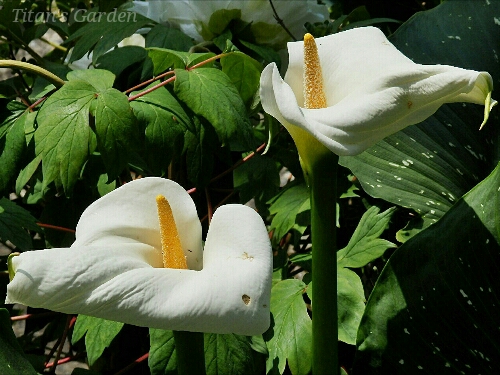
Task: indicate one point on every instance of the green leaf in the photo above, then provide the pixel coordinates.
(162, 358)
(12, 358)
(434, 307)
(14, 221)
(228, 354)
(365, 244)
(103, 31)
(350, 304)
(12, 149)
(199, 144)
(116, 130)
(211, 94)
(162, 36)
(99, 333)
(268, 54)
(164, 59)
(165, 121)
(290, 334)
(244, 73)
(286, 207)
(257, 178)
(100, 79)
(221, 19)
(64, 137)
(120, 59)
(429, 166)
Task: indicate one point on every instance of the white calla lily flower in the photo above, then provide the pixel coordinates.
(192, 16)
(115, 268)
(371, 89)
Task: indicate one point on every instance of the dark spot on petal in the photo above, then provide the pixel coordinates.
(246, 299)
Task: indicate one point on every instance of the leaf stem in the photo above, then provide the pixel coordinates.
(151, 89)
(14, 64)
(323, 190)
(213, 58)
(190, 353)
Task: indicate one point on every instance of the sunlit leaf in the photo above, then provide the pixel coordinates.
(290, 335)
(162, 358)
(244, 73)
(99, 333)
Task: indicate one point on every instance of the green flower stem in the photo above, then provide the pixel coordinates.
(190, 353)
(322, 178)
(13, 64)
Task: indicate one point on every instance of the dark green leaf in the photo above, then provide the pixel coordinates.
(257, 178)
(167, 37)
(434, 307)
(165, 121)
(228, 355)
(12, 148)
(286, 207)
(14, 221)
(221, 19)
(211, 94)
(164, 59)
(199, 144)
(116, 129)
(289, 337)
(428, 167)
(103, 31)
(365, 244)
(266, 53)
(12, 358)
(120, 59)
(99, 333)
(244, 73)
(162, 358)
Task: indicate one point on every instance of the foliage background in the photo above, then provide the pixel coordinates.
(431, 309)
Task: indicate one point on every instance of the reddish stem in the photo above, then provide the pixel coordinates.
(133, 364)
(236, 165)
(239, 162)
(33, 316)
(170, 72)
(64, 360)
(220, 204)
(50, 226)
(151, 89)
(61, 341)
(219, 56)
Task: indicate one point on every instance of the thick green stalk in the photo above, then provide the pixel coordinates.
(13, 64)
(322, 178)
(190, 353)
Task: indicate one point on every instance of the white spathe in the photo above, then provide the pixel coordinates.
(191, 15)
(114, 270)
(372, 91)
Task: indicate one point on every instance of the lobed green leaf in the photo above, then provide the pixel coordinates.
(210, 93)
(289, 337)
(14, 223)
(99, 333)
